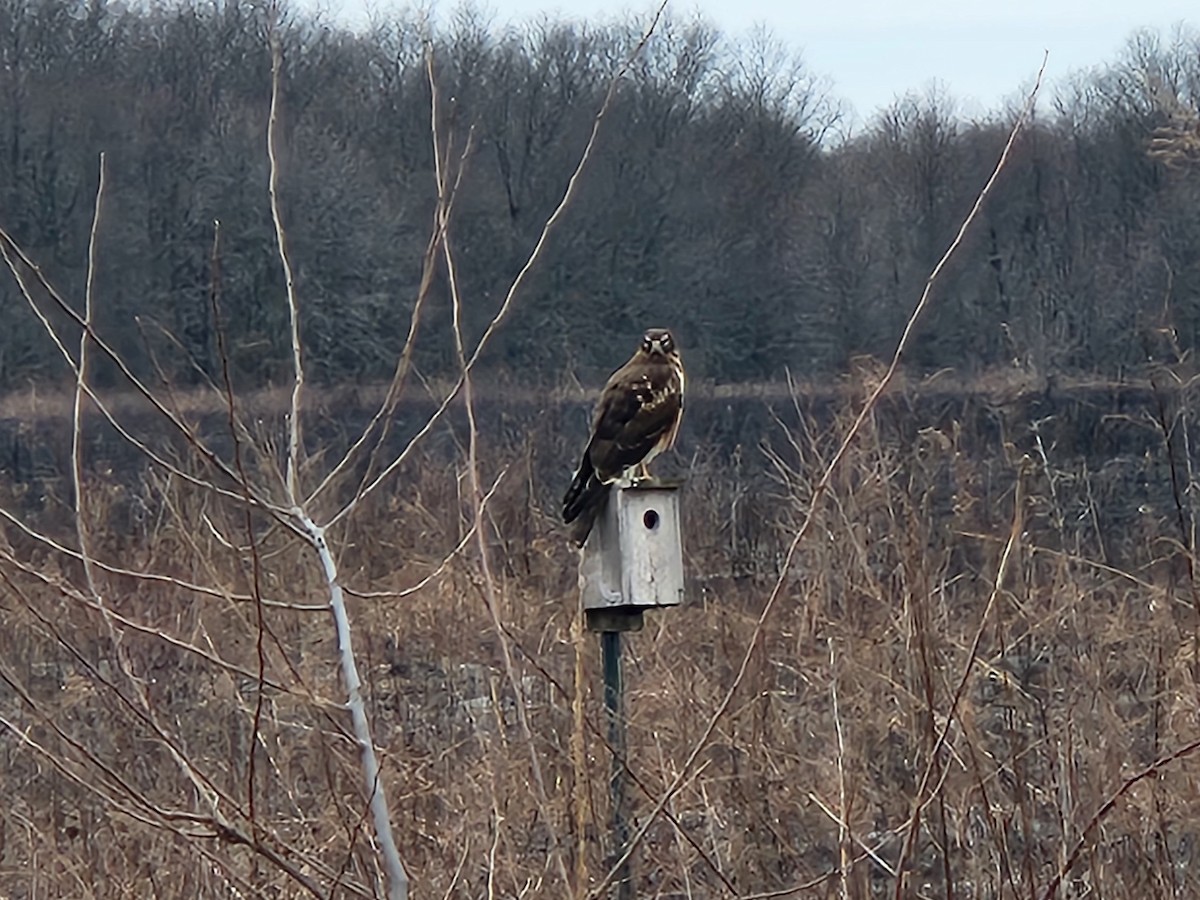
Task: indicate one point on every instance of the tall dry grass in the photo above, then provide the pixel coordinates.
(1084, 676)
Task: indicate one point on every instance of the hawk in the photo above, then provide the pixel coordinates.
(636, 418)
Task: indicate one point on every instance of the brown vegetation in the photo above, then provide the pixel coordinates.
(1085, 674)
(935, 645)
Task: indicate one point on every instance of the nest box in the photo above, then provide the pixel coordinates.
(633, 558)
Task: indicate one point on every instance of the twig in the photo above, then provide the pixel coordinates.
(491, 595)
(381, 418)
(399, 378)
(203, 785)
(396, 875)
(81, 526)
(441, 566)
(248, 523)
(142, 711)
(921, 801)
(462, 862)
(491, 868)
(12, 254)
(1107, 806)
(134, 625)
(822, 488)
(840, 818)
(845, 863)
(534, 257)
(153, 815)
(683, 867)
(154, 577)
(293, 449)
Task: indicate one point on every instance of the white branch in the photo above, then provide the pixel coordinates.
(293, 455)
(81, 530)
(397, 877)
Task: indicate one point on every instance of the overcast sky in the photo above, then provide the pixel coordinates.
(875, 50)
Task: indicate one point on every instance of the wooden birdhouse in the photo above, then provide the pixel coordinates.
(633, 558)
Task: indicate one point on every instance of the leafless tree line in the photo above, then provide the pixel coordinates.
(731, 196)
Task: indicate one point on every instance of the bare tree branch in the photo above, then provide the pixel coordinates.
(518, 282)
(294, 433)
(12, 254)
(478, 526)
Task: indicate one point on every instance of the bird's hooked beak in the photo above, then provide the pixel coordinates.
(658, 342)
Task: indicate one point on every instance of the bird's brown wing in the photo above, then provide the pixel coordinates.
(639, 406)
(638, 413)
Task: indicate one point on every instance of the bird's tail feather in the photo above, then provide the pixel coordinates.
(573, 500)
(594, 500)
(584, 501)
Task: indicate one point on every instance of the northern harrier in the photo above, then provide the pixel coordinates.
(636, 418)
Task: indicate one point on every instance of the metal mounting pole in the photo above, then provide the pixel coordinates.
(614, 701)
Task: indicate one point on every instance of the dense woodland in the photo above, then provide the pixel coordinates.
(728, 197)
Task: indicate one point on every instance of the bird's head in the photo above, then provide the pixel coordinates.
(658, 342)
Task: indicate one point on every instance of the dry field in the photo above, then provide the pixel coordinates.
(965, 665)
(977, 677)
